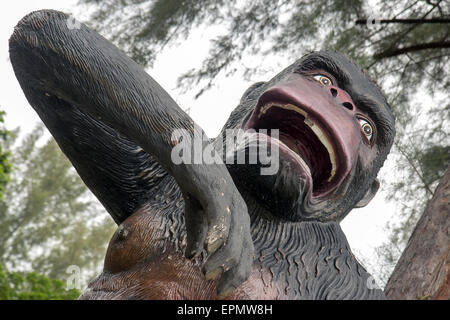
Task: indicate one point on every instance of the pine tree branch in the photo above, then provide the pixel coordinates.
(416, 170)
(418, 47)
(405, 21)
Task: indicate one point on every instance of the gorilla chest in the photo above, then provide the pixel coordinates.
(301, 261)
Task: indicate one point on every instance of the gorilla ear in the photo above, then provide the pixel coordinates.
(369, 194)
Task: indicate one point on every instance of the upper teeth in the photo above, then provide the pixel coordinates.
(287, 106)
(314, 127)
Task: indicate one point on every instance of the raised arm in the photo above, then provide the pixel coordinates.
(58, 65)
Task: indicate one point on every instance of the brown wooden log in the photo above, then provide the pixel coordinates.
(423, 271)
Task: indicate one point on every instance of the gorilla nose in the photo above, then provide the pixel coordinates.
(342, 97)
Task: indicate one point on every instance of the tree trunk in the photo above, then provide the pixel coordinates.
(423, 271)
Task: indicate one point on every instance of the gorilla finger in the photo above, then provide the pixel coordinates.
(196, 229)
(234, 277)
(228, 255)
(219, 221)
(219, 226)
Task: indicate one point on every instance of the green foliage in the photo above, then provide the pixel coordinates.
(434, 161)
(5, 165)
(33, 286)
(48, 219)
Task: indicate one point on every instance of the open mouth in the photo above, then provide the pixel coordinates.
(302, 138)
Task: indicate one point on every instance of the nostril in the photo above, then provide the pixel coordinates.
(348, 105)
(333, 92)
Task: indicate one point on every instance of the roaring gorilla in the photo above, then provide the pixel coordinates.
(207, 231)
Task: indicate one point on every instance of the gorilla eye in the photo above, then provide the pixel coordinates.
(366, 129)
(323, 79)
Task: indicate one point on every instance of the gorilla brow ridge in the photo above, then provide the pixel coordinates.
(316, 61)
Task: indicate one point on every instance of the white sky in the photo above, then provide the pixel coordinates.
(364, 227)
